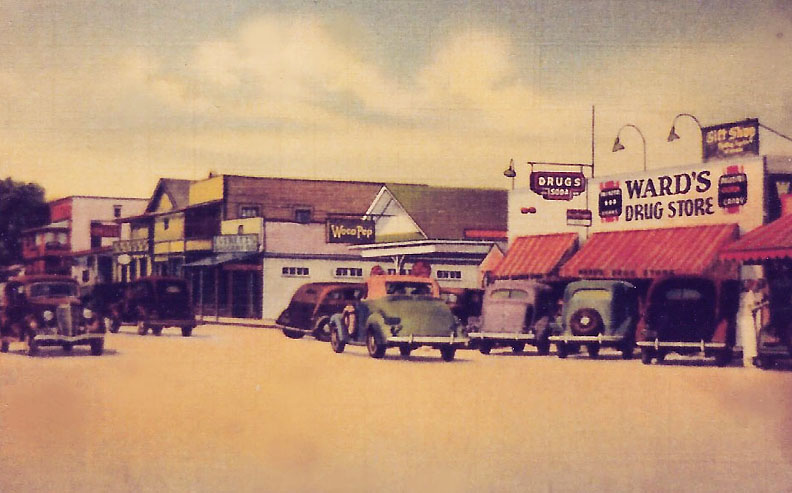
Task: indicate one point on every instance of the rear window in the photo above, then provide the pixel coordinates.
(683, 294)
(45, 289)
(514, 294)
(593, 294)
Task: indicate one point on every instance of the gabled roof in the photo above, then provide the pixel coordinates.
(446, 213)
(177, 191)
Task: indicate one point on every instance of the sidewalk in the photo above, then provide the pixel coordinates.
(265, 323)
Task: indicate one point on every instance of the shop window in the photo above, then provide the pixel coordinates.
(302, 215)
(348, 272)
(166, 223)
(249, 211)
(449, 274)
(96, 241)
(391, 271)
(295, 272)
(116, 211)
(86, 276)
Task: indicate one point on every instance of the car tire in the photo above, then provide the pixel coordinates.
(543, 347)
(293, 334)
(97, 347)
(67, 347)
(562, 351)
(585, 322)
(518, 347)
(186, 331)
(157, 331)
(322, 332)
(142, 328)
(763, 362)
(660, 356)
(405, 351)
(593, 350)
(627, 348)
(4, 345)
(33, 348)
(723, 357)
(376, 348)
(447, 353)
(485, 347)
(335, 341)
(112, 324)
(646, 355)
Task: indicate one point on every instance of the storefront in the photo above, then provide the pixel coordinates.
(537, 257)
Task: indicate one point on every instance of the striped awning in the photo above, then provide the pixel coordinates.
(536, 256)
(649, 253)
(771, 241)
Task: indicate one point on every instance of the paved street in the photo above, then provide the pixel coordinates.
(246, 409)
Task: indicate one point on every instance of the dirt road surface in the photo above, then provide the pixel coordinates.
(245, 409)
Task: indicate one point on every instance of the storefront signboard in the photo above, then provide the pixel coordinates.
(579, 217)
(350, 230)
(711, 193)
(558, 185)
(730, 140)
(235, 243)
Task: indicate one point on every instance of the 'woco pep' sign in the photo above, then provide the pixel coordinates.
(558, 185)
(347, 230)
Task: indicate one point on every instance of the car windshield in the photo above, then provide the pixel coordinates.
(409, 288)
(47, 289)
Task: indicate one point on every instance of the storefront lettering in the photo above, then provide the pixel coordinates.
(340, 231)
(679, 184)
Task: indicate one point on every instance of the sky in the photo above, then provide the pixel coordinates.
(106, 97)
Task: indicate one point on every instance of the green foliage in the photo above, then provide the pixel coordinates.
(22, 206)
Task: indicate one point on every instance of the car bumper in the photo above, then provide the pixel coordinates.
(701, 345)
(58, 340)
(501, 336)
(176, 322)
(600, 339)
(435, 341)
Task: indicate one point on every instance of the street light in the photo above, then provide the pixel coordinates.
(672, 135)
(618, 146)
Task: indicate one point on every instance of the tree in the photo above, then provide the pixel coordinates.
(22, 206)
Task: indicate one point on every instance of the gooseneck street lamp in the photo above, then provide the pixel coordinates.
(618, 146)
(672, 135)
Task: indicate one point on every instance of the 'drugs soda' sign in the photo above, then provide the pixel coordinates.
(712, 193)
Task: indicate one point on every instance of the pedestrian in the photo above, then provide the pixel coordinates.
(747, 321)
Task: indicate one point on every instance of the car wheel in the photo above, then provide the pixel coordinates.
(322, 332)
(593, 350)
(33, 348)
(763, 362)
(97, 347)
(518, 347)
(543, 347)
(4, 345)
(67, 347)
(485, 347)
(585, 321)
(293, 334)
(376, 348)
(405, 351)
(447, 353)
(112, 324)
(561, 350)
(723, 357)
(646, 355)
(142, 328)
(186, 331)
(660, 356)
(157, 331)
(627, 348)
(335, 341)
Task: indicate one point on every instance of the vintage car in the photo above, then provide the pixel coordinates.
(515, 313)
(774, 340)
(102, 298)
(313, 304)
(45, 310)
(597, 313)
(154, 303)
(401, 311)
(689, 314)
(465, 303)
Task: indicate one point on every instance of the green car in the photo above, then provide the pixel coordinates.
(398, 311)
(595, 314)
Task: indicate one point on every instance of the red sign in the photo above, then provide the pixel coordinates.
(558, 185)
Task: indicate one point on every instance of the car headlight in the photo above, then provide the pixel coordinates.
(48, 315)
(87, 313)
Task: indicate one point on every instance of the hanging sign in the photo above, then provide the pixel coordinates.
(731, 139)
(578, 217)
(558, 185)
(348, 230)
